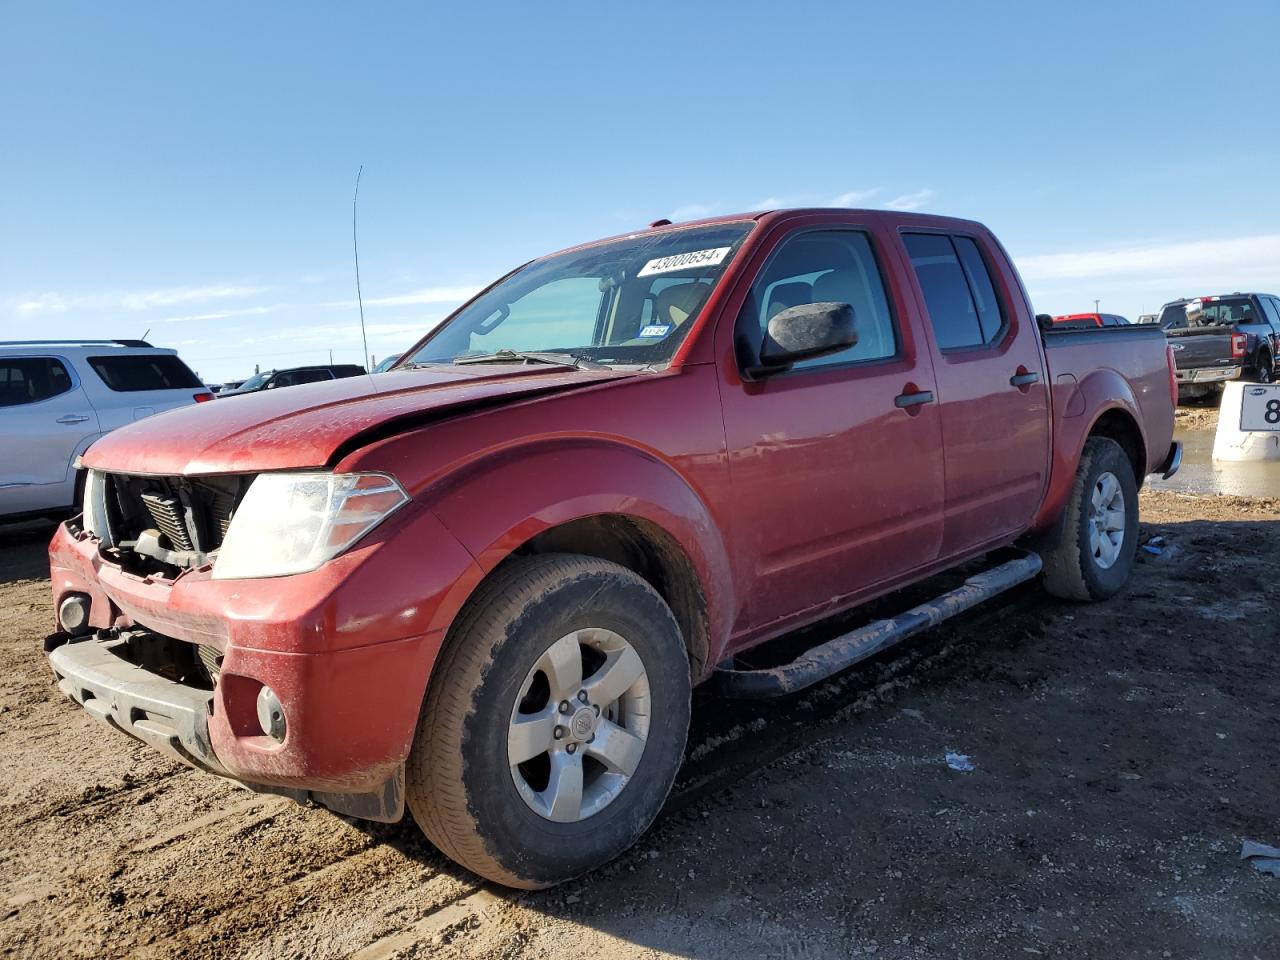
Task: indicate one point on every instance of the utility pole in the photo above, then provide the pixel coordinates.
(331, 356)
(1095, 305)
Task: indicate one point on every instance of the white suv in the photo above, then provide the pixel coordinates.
(57, 397)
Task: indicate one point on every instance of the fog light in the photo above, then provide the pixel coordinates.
(73, 613)
(271, 714)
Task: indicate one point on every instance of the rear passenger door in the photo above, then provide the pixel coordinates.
(837, 486)
(991, 387)
(45, 421)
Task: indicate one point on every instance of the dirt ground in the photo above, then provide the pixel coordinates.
(1121, 752)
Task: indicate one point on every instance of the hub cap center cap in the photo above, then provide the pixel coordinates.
(583, 723)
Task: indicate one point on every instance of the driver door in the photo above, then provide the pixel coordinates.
(837, 485)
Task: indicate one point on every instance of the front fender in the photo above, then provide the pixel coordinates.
(502, 501)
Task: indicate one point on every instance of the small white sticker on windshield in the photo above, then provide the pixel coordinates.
(655, 330)
(684, 261)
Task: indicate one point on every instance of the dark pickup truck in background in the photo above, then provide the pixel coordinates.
(1216, 339)
(293, 377)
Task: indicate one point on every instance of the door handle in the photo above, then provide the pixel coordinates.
(904, 400)
(1023, 379)
(72, 418)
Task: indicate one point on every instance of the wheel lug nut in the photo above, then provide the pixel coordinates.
(572, 748)
(559, 733)
(564, 706)
(582, 695)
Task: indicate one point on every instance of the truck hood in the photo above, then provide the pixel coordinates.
(307, 425)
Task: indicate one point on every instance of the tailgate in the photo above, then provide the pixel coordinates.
(1195, 349)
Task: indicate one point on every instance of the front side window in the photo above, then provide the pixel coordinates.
(831, 266)
(619, 303)
(958, 293)
(137, 372)
(31, 379)
(1271, 311)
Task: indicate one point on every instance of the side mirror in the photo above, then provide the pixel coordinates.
(271, 386)
(804, 332)
(1044, 321)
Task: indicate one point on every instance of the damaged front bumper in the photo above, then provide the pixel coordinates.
(343, 652)
(173, 717)
(170, 716)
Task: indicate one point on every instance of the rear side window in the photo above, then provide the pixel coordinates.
(31, 379)
(963, 307)
(133, 373)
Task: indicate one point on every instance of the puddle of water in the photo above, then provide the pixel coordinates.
(1200, 473)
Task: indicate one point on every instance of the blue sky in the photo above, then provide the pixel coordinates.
(188, 169)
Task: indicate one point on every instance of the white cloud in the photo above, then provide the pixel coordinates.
(911, 201)
(453, 295)
(691, 211)
(339, 334)
(854, 197)
(223, 315)
(1235, 256)
(134, 300)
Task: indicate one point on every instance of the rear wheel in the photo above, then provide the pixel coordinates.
(1264, 371)
(1091, 553)
(554, 724)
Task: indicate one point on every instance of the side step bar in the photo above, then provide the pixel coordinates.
(844, 651)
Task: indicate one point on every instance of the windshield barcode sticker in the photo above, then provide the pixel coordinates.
(684, 261)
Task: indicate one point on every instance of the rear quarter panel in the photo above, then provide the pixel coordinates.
(1092, 372)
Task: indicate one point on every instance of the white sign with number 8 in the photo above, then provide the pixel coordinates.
(1260, 408)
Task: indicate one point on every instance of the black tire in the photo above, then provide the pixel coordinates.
(459, 786)
(1071, 570)
(1264, 370)
(77, 505)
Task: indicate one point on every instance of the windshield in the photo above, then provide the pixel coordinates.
(629, 301)
(254, 382)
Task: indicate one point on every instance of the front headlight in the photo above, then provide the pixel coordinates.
(293, 522)
(95, 506)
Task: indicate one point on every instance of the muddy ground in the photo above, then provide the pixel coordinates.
(1121, 752)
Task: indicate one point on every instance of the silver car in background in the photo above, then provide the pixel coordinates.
(58, 396)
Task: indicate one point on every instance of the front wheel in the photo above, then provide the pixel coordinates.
(1092, 551)
(554, 724)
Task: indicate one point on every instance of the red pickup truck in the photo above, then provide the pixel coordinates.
(483, 583)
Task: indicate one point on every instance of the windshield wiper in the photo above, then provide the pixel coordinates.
(531, 356)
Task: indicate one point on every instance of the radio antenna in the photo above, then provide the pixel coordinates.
(355, 246)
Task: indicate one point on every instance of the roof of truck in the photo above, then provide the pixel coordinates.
(781, 213)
